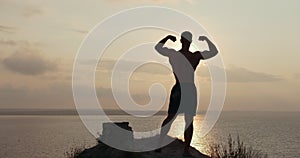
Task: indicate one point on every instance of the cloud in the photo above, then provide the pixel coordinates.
(239, 74)
(58, 94)
(296, 76)
(234, 74)
(242, 75)
(107, 98)
(55, 95)
(148, 68)
(28, 62)
(152, 1)
(31, 11)
(173, 1)
(7, 29)
(78, 31)
(14, 43)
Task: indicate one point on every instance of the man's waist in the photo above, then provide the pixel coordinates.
(185, 82)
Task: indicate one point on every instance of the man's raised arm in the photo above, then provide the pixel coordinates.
(159, 47)
(213, 51)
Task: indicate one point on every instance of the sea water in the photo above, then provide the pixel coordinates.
(26, 136)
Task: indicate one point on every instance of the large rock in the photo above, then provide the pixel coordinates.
(101, 150)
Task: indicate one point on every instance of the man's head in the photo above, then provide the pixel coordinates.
(186, 39)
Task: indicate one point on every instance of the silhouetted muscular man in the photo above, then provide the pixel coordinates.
(183, 98)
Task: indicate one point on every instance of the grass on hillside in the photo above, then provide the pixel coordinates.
(235, 149)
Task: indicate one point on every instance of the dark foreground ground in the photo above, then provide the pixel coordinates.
(173, 150)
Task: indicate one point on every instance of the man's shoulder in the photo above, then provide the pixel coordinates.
(171, 51)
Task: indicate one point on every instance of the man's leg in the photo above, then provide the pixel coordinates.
(165, 127)
(188, 133)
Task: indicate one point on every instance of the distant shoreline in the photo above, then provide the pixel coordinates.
(73, 112)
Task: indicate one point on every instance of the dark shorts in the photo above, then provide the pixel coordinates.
(183, 99)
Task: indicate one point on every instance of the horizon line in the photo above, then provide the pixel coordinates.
(74, 112)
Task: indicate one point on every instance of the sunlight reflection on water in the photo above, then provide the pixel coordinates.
(275, 133)
(201, 144)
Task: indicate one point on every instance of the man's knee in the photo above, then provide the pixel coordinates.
(169, 119)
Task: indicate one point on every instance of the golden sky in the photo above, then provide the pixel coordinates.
(258, 40)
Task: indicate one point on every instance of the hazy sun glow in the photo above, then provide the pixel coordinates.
(259, 49)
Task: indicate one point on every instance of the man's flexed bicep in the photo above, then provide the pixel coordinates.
(213, 51)
(159, 47)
